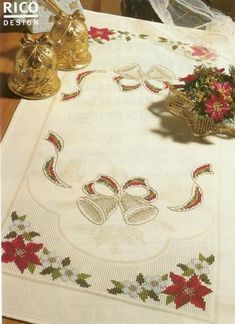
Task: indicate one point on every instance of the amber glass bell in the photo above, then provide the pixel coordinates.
(70, 36)
(35, 74)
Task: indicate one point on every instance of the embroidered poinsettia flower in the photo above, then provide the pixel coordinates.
(20, 227)
(199, 267)
(102, 33)
(131, 288)
(217, 108)
(224, 88)
(187, 291)
(189, 78)
(20, 253)
(154, 283)
(68, 274)
(51, 260)
(203, 52)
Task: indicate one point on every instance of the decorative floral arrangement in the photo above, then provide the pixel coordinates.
(212, 92)
(206, 101)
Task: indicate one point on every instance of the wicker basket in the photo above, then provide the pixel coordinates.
(179, 105)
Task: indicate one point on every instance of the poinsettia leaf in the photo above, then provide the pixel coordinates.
(10, 235)
(140, 278)
(165, 277)
(33, 234)
(56, 274)
(201, 257)
(188, 272)
(27, 236)
(45, 251)
(22, 218)
(82, 283)
(31, 268)
(83, 276)
(47, 271)
(128, 38)
(210, 259)
(153, 295)
(14, 216)
(144, 295)
(170, 299)
(115, 291)
(182, 266)
(162, 39)
(143, 36)
(204, 278)
(66, 262)
(118, 284)
(174, 47)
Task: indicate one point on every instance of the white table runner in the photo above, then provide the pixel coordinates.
(106, 214)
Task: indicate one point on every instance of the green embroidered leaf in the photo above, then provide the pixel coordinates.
(115, 291)
(162, 39)
(10, 235)
(210, 259)
(56, 274)
(204, 278)
(201, 257)
(118, 284)
(170, 299)
(140, 278)
(165, 277)
(33, 234)
(47, 271)
(83, 276)
(31, 268)
(153, 295)
(98, 40)
(143, 295)
(27, 236)
(186, 270)
(14, 216)
(45, 251)
(66, 262)
(174, 47)
(82, 283)
(22, 218)
(143, 36)
(128, 38)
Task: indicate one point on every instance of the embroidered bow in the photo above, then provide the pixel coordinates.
(136, 210)
(132, 77)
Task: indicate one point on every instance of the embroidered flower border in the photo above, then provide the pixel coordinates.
(20, 249)
(183, 289)
(195, 52)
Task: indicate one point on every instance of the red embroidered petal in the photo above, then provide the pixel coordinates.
(22, 263)
(33, 258)
(173, 290)
(33, 247)
(8, 258)
(178, 280)
(181, 300)
(202, 291)
(198, 302)
(8, 247)
(193, 282)
(18, 242)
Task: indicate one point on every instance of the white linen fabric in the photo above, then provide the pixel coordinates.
(116, 125)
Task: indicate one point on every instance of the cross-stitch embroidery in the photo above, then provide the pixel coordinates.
(79, 81)
(197, 195)
(49, 168)
(136, 210)
(131, 77)
(183, 289)
(20, 249)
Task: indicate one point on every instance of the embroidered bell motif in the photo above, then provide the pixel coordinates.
(97, 209)
(136, 210)
(70, 36)
(35, 74)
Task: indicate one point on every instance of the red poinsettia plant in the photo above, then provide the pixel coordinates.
(212, 92)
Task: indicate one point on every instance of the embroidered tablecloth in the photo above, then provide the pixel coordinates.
(112, 211)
